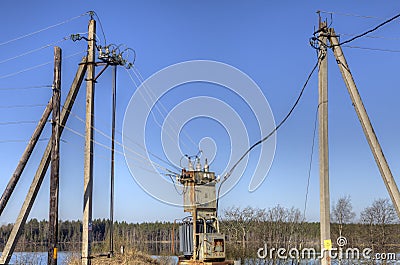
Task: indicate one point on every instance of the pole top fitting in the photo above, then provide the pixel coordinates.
(91, 14)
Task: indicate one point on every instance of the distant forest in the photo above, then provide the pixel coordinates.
(246, 230)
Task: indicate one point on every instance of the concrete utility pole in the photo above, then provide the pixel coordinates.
(365, 122)
(42, 168)
(88, 164)
(55, 161)
(323, 146)
(114, 105)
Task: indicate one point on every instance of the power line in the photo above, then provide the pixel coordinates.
(17, 122)
(347, 14)
(151, 95)
(143, 158)
(371, 36)
(311, 160)
(120, 144)
(34, 50)
(228, 174)
(371, 49)
(101, 26)
(37, 66)
(100, 156)
(24, 88)
(22, 106)
(371, 30)
(26, 70)
(43, 29)
(148, 93)
(165, 109)
(21, 140)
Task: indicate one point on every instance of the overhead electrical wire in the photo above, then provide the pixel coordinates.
(140, 77)
(17, 122)
(34, 50)
(24, 88)
(37, 66)
(119, 152)
(370, 36)
(109, 137)
(106, 158)
(371, 49)
(311, 161)
(228, 174)
(347, 14)
(120, 144)
(43, 29)
(26, 70)
(371, 30)
(22, 106)
(101, 26)
(151, 95)
(21, 140)
(97, 155)
(148, 93)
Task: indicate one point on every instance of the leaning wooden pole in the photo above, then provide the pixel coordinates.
(365, 122)
(41, 171)
(25, 157)
(325, 231)
(88, 163)
(55, 162)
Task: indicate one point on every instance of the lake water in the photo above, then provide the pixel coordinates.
(40, 258)
(37, 258)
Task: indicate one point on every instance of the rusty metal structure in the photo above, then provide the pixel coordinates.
(200, 239)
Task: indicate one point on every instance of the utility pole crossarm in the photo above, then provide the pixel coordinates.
(365, 122)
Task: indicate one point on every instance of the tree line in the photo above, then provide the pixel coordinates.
(246, 230)
(249, 229)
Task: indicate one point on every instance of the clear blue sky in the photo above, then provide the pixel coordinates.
(267, 40)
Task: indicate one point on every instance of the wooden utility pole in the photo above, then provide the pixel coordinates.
(365, 122)
(25, 157)
(42, 168)
(88, 164)
(323, 146)
(55, 162)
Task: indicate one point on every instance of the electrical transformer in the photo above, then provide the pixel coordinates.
(200, 239)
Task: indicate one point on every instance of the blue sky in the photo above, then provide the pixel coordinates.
(267, 40)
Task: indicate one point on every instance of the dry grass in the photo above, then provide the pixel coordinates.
(130, 257)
